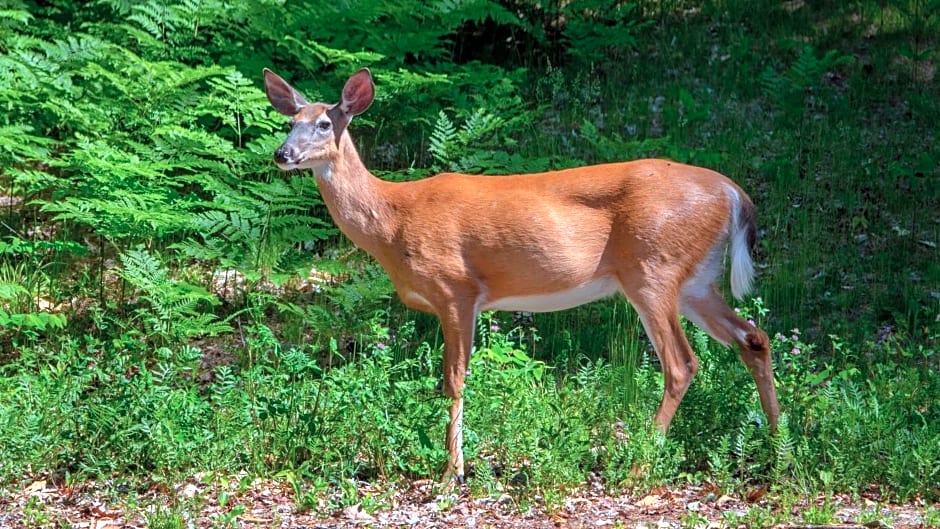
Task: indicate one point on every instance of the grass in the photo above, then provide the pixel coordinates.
(814, 140)
(824, 115)
(85, 411)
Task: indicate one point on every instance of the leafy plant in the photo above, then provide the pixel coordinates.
(800, 85)
(169, 311)
(599, 29)
(477, 146)
(26, 302)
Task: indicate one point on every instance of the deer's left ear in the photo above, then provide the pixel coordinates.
(358, 93)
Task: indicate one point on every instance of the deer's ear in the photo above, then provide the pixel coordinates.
(282, 96)
(358, 93)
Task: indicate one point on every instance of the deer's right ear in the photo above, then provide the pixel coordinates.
(282, 96)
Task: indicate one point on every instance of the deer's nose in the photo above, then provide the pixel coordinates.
(284, 154)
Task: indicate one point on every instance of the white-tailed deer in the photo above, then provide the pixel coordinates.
(455, 245)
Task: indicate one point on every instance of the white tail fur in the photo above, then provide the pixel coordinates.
(742, 228)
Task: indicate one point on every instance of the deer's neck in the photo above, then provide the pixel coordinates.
(356, 199)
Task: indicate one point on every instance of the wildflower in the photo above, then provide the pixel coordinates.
(795, 337)
(781, 338)
(752, 322)
(795, 351)
(381, 346)
(494, 328)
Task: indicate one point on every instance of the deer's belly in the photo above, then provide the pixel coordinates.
(560, 300)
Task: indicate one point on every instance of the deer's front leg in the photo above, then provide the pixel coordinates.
(458, 324)
(455, 442)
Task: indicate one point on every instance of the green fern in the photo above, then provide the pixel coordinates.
(475, 147)
(790, 89)
(172, 28)
(326, 55)
(480, 125)
(256, 225)
(15, 15)
(170, 311)
(238, 104)
(442, 140)
(601, 29)
(784, 451)
(156, 18)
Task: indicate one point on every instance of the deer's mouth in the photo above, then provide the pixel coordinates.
(316, 164)
(288, 166)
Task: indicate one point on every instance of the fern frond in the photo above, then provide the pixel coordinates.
(16, 15)
(442, 139)
(156, 18)
(143, 270)
(330, 56)
(170, 309)
(479, 125)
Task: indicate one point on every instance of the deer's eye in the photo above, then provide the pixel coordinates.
(324, 125)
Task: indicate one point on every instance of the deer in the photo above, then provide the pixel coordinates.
(455, 245)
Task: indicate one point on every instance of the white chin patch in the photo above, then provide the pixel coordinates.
(299, 163)
(303, 164)
(320, 168)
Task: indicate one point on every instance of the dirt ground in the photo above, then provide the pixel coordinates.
(202, 502)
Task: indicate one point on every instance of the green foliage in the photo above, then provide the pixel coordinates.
(614, 147)
(802, 84)
(252, 226)
(31, 321)
(169, 311)
(26, 295)
(479, 146)
(600, 29)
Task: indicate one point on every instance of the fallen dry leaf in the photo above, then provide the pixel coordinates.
(756, 494)
(649, 501)
(106, 523)
(269, 504)
(35, 487)
(723, 500)
(355, 512)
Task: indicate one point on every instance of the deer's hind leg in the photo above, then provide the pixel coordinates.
(707, 309)
(658, 311)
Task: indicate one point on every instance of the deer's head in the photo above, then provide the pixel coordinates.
(316, 128)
